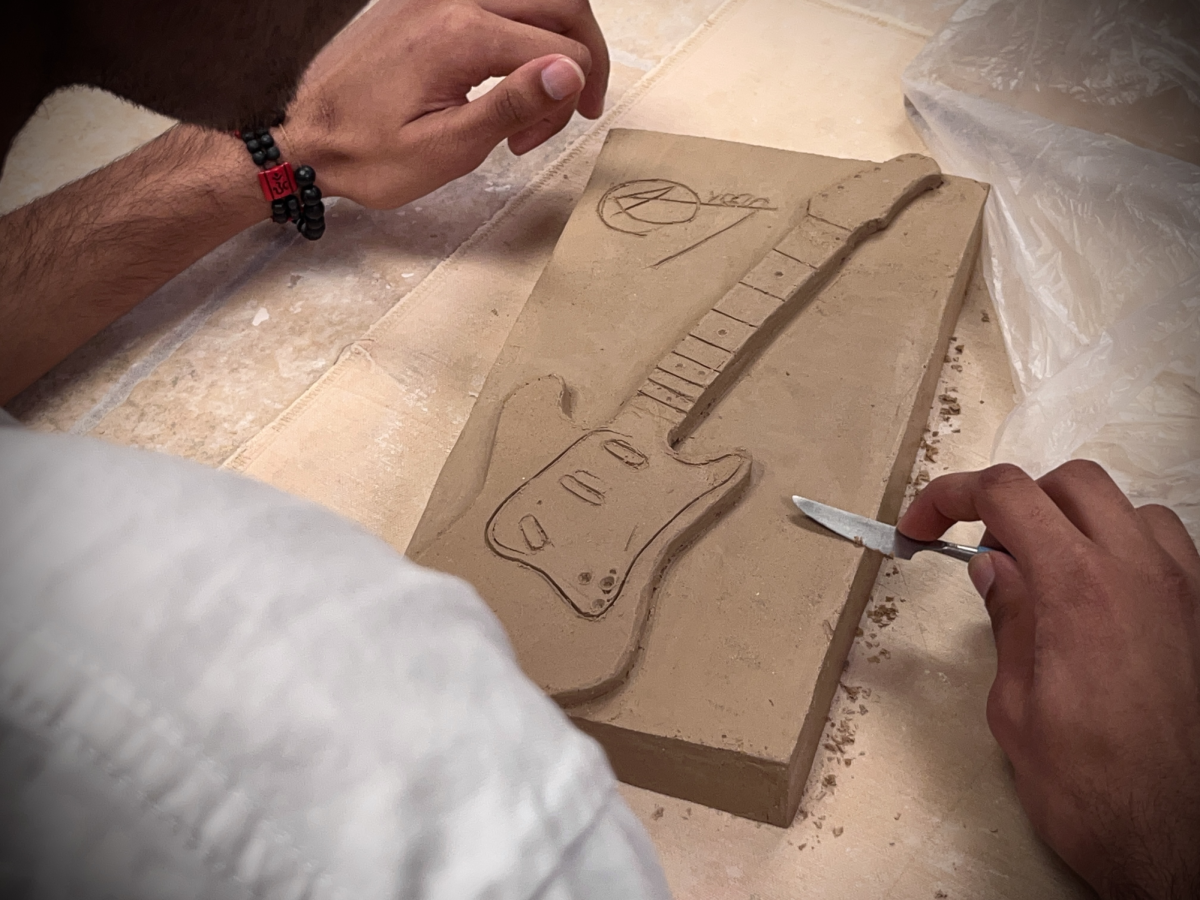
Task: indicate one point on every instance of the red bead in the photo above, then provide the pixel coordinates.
(277, 182)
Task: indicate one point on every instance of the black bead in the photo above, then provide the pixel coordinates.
(265, 139)
(314, 212)
(293, 206)
(310, 194)
(248, 135)
(305, 176)
(272, 153)
(259, 157)
(252, 145)
(279, 211)
(313, 232)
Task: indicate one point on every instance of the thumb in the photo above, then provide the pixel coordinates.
(1010, 607)
(538, 97)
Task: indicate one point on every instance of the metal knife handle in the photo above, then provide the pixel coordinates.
(956, 551)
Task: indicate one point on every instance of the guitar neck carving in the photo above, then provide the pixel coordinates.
(692, 377)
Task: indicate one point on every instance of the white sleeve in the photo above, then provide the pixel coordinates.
(209, 689)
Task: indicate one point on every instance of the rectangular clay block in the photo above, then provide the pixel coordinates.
(750, 626)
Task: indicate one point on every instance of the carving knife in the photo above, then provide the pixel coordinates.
(876, 535)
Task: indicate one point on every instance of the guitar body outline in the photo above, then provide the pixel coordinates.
(572, 657)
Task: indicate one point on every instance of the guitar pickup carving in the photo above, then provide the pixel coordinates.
(626, 453)
(577, 484)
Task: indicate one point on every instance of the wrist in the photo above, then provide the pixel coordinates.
(290, 189)
(225, 175)
(304, 145)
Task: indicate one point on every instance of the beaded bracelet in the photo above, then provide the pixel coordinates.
(280, 185)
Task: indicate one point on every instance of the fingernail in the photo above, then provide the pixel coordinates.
(562, 78)
(982, 571)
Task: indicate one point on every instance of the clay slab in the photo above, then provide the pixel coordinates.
(748, 629)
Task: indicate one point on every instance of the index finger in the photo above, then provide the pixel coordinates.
(1011, 504)
(572, 19)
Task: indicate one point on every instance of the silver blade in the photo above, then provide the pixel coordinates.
(862, 531)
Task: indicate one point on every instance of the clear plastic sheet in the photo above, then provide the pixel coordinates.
(1085, 119)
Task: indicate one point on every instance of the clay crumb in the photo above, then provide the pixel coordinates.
(837, 832)
(940, 895)
(897, 817)
(829, 780)
(883, 614)
(802, 846)
(985, 317)
(658, 813)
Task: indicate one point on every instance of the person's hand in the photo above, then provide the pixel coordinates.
(1096, 613)
(382, 113)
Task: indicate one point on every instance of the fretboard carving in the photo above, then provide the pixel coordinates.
(692, 377)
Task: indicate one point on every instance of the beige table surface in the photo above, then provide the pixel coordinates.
(913, 798)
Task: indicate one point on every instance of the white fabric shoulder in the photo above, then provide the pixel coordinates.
(209, 689)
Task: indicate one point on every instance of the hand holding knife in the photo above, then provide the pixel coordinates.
(877, 536)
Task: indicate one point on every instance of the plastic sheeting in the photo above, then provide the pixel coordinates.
(1085, 119)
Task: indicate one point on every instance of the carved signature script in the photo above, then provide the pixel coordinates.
(648, 205)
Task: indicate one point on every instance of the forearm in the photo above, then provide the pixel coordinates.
(76, 260)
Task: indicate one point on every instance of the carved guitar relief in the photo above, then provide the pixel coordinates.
(600, 518)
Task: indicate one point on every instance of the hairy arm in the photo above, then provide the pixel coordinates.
(382, 115)
(77, 259)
